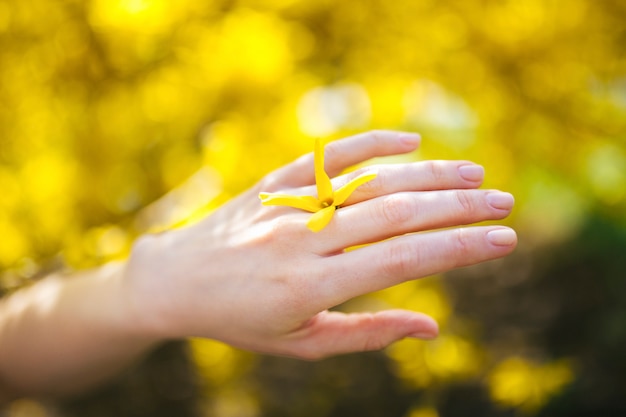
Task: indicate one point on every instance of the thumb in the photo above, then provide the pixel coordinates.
(331, 333)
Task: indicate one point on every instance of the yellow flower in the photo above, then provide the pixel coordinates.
(327, 200)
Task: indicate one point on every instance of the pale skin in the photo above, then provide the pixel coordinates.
(255, 277)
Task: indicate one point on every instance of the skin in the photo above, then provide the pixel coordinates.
(255, 277)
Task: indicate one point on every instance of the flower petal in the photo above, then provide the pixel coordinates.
(324, 187)
(304, 202)
(342, 194)
(319, 220)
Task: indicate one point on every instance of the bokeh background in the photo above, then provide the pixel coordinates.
(121, 117)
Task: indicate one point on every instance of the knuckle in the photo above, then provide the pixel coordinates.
(397, 209)
(332, 151)
(271, 182)
(290, 293)
(371, 340)
(461, 243)
(464, 200)
(377, 135)
(279, 233)
(400, 259)
(279, 226)
(437, 170)
(380, 138)
(372, 187)
(306, 349)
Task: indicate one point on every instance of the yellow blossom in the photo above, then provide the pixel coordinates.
(327, 201)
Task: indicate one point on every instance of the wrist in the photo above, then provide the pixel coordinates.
(126, 315)
(148, 290)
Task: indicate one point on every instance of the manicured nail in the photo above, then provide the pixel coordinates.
(502, 237)
(472, 172)
(500, 200)
(412, 139)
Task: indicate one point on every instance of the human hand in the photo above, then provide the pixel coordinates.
(255, 277)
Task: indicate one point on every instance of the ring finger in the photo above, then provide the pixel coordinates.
(409, 212)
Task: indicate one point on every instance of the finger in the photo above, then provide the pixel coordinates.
(384, 264)
(344, 153)
(418, 176)
(401, 213)
(331, 333)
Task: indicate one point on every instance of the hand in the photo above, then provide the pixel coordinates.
(255, 277)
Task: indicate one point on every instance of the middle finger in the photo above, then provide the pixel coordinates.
(417, 176)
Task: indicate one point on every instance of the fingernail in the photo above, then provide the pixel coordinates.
(472, 172)
(412, 139)
(500, 200)
(502, 237)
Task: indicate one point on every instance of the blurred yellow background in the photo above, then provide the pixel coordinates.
(121, 117)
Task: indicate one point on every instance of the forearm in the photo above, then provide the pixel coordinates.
(66, 335)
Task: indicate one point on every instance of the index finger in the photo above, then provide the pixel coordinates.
(344, 153)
